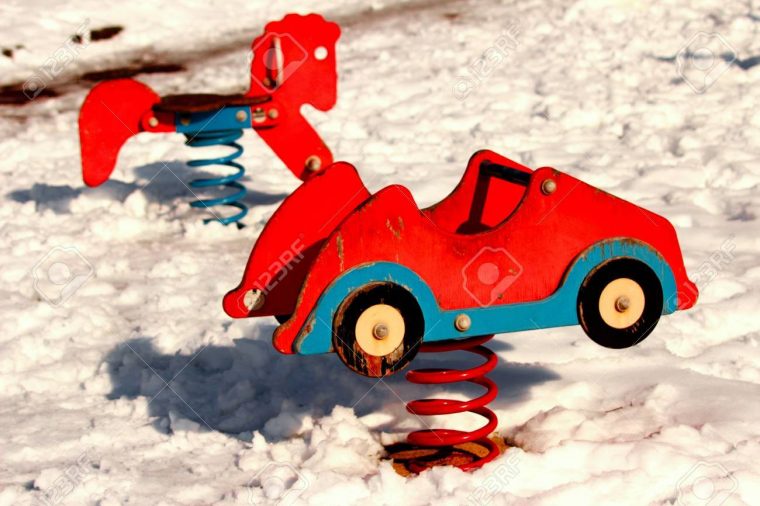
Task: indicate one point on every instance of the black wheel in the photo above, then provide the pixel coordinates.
(282, 318)
(378, 329)
(620, 303)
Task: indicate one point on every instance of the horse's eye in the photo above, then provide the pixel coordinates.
(320, 53)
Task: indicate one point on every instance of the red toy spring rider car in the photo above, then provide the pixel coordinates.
(373, 276)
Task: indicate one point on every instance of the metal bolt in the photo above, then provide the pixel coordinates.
(622, 304)
(241, 115)
(153, 122)
(259, 115)
(549, 186)
(273, 113)
(313, 163)
(462, 322)
(185, 120)
(380, 331)
(254, 299)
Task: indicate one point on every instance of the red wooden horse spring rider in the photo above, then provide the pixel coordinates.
(293, 64)
(509, 249)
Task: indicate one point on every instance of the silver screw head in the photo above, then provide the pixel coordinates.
(313, 163)
(241, 116)
(380, 331)
(462, 322)
(259, 116)
(273, 113)
(622, 304)
(254, 299)
(153, 122)
(549, 186)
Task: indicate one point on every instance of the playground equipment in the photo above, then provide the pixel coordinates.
(376, 279)
(293, 63)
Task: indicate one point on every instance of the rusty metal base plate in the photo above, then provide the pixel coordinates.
(409, 460)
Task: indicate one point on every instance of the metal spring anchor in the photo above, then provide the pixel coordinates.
(439, 438)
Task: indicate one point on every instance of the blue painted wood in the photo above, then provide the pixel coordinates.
(557, 310)
(219, 119)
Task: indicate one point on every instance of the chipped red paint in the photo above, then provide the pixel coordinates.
(309, 214)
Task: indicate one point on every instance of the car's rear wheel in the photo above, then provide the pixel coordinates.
(620, 303)
(378, 329)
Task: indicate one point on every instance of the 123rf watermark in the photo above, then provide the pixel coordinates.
(497, 483)
(280, 482)
(482, 67)
(276, 272)
(705, 484)
(58, 61)
(707, 272)
(73, 476)
(60, 273)
(703, 60)
(273, 47)
(488, 275)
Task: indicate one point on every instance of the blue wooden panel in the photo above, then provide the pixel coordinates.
(208, 121)
(557, 310)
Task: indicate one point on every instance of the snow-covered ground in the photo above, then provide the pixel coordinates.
(140, 390)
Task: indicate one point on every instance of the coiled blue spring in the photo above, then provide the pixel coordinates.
(220, 138)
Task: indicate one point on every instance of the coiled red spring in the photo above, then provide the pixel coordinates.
(435, 438)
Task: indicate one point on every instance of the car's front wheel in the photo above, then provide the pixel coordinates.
(620, 303)
(378, 329)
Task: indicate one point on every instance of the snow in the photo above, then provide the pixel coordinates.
(136, 388)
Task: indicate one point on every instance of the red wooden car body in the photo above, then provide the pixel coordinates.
(509, 249)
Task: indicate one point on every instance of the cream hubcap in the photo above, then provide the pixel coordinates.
(380, 330)
(621, 303)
